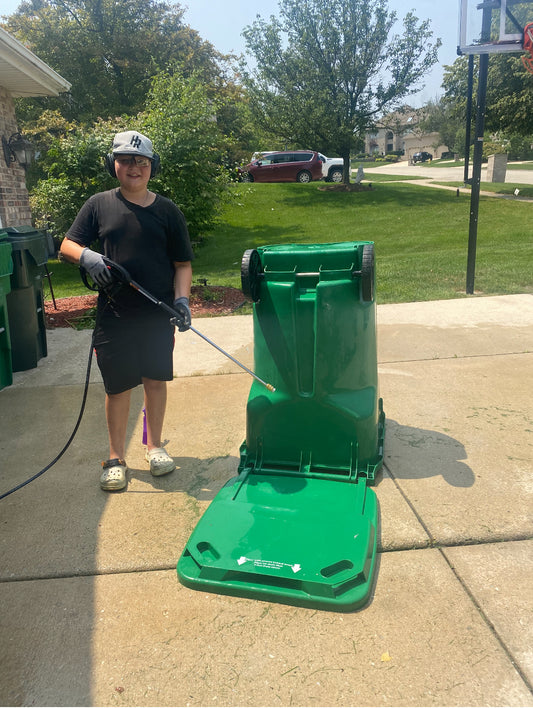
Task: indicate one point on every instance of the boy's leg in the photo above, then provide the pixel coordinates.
(155, 403)
(117, 408)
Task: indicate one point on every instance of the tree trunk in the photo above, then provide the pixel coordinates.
(346, 168)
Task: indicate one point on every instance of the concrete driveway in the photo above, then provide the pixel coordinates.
(91, 609)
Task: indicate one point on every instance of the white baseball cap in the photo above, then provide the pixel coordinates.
(132, 143)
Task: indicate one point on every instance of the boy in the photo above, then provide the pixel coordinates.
(147, 234)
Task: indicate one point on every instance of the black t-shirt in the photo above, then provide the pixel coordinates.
(144, 240)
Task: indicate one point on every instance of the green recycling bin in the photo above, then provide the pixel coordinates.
(315, 342)
(6, 268)
(299, 522)
(25, 303)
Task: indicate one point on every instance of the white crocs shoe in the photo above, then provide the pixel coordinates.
(114, 475)
(160, 461)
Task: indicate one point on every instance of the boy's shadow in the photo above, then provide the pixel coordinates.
(415, 453)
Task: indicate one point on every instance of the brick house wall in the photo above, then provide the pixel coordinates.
(14, 200)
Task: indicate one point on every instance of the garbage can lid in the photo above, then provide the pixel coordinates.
(21, 231)
(27, 238)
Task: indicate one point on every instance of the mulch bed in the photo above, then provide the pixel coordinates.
(205, 301)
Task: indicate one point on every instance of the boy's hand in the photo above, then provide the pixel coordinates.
(95, 265)
(183, 319)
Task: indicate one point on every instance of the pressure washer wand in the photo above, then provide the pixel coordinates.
(248, 371)
(125, 277)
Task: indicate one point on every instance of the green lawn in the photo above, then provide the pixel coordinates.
(505, 188)
(420, 235)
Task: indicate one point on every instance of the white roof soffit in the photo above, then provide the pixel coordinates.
(24, 74)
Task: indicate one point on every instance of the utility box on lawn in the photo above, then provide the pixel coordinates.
(25, 301)
(298, 524)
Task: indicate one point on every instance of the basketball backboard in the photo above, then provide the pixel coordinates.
(491, 26)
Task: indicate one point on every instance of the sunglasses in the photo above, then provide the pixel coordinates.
(139, 161)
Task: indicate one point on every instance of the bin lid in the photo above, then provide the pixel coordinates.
(27, 238)
(302, 541)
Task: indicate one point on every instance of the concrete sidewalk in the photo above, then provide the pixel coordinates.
(423, 175)
(91, 609)
(446, 173)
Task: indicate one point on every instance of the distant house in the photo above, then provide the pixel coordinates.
(398, 132)
(21, 74)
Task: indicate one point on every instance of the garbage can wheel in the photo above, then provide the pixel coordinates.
(251, 270)
(367, 273)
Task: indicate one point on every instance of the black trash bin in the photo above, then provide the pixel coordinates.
(6, 268)
(25, 301)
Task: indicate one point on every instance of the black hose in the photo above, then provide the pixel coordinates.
(71, 438)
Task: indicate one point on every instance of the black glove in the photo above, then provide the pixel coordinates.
(95, 265)
(183, 319)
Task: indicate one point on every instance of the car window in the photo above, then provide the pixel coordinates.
(302, 157)
(285, 157)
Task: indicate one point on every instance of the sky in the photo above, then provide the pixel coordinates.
(221, 22)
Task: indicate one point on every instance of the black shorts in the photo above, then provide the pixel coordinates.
(128, 351)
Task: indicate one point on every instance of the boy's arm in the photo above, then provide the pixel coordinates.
(182, 279)
(71, 250)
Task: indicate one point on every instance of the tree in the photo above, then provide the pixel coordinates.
(72, 170)
(442, 117)
(509, 93)
(180, 120)
(109, 50)
(327, 68)
(237, 122)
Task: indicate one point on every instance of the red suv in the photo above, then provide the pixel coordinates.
(290, 166)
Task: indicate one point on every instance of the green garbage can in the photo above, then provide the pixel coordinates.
(299, 522)
(6, 268)
(25, 303)
(315, 342)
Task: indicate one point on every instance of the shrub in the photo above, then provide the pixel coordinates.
(181, 120)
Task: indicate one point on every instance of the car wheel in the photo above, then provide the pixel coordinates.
(367, 273)
(336, 175)
(303, 176)
(247, 177)
(251, 271)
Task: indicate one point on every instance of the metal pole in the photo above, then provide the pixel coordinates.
(470, 91)
(476, 172)
(478, 154)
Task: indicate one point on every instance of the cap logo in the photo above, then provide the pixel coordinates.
(136, 142)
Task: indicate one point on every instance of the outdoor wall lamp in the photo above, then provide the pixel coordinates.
(17, 149)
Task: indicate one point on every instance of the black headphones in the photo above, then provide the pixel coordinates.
(155, 166)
